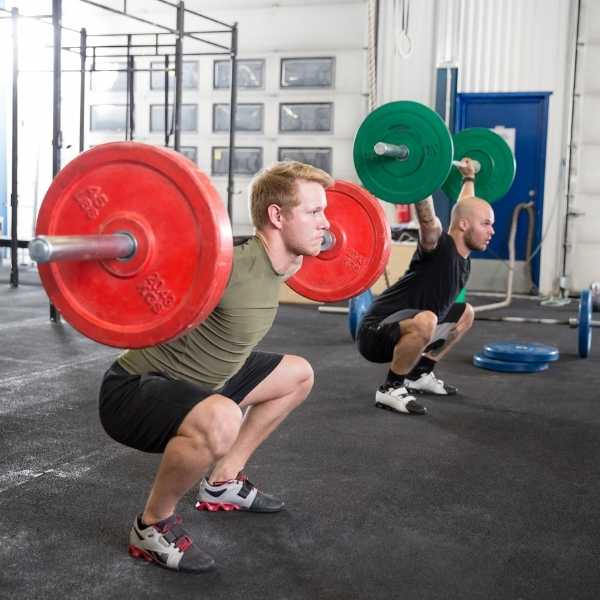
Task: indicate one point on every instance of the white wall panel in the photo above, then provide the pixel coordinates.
(586, 225)
(587, 120)
(590, 67)
(583, 254)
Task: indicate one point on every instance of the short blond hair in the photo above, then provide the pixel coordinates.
(276, 184)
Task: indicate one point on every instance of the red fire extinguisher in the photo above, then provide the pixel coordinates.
(403, 213)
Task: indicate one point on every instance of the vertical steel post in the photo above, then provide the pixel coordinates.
(127, 88)
(82, 56)
(166, 79)
(56, 100)
(232, 112)
(56, 106)
(131, 97)
(178, 74)
(14, 195)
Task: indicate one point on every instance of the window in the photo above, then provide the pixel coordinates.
(248, 117)
(317, 157)
(108, 79)
(306, 117)
(250, 74)
(108, 117)
(189, 80)
(190, 152)
(189, 117)
(307, 72)
(246, 161)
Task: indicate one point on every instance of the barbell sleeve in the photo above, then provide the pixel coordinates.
(459, 163)
(328, 241)
(43, 249)
(391, 150)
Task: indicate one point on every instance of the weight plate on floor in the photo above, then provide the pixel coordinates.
(495, 157)
(585, 323)
(184, 244)
(521, 351)
(484, 362)
(359, 254)
(423, 132)
(357, 307)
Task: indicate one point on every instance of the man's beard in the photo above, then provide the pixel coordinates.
(470, 244)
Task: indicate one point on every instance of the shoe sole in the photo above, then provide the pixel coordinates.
(217, 506)
(400, 412)
(226, 507)
(428, 393)
(137, 552)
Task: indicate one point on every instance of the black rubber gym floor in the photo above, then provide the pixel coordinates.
(493, 494)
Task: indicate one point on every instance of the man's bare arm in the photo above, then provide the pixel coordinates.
(468, 186)
(429, 224)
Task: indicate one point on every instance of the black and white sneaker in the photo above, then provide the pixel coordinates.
(398, 399)
(428, 383)
(167, 544)
(235, 494)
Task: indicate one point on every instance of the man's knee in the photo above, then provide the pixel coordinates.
(466, 320)
(214, 424)
(423, 325)
(301, 374)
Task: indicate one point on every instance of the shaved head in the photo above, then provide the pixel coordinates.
(467, 208)
(471, 222)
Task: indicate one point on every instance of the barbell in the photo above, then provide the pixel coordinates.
(135, 247)
(403, 152)
(583, 322)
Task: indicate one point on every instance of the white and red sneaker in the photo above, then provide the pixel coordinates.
(235, 494)
(167, 544)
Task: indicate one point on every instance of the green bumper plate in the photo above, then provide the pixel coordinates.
(497, 164)
(423, 132)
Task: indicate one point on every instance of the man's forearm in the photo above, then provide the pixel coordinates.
(467, 190)
(429, 224)
(426, 212)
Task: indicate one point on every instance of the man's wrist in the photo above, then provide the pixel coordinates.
(472, 179)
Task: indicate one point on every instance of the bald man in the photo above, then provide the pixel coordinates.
(415, 322)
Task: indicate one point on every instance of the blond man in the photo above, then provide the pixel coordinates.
(208, 399)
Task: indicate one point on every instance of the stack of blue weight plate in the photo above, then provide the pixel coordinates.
(516, 357)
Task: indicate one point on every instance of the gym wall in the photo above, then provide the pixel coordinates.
(509, 46)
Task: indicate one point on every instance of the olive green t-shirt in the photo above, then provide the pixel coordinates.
(215, 350)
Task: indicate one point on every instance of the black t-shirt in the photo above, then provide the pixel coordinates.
(432, 282)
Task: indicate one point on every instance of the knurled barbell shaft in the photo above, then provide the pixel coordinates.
(402, 152)
(43, 249)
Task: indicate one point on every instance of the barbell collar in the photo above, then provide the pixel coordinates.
(43, 249)
(391, 150)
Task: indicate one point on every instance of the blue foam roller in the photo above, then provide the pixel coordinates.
(521, 351)
(506, 366)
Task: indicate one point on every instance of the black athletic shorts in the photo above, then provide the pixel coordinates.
(376, 341)
(145, 411)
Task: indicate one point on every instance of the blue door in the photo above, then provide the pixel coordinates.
(523, 118)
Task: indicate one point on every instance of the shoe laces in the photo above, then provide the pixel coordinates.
(396, 389)
(436, 379)
(241, 477)
(167, 524)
